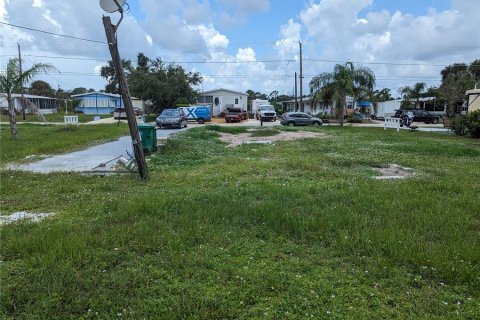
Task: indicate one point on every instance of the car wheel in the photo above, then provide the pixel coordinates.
(291, 124)
(316, 124)
(435, 121)
(201, 121)
(186, 124)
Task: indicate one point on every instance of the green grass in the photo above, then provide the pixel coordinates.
(54, 117)
(292, 230)
(41, 140)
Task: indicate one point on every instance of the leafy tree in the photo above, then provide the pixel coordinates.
(273, 95)
(345, 80)
(108, 72)
(154, 81)
(414, 92)
(454, 87)
(452, 69)
(41, 88)
(79, 90)
(12, 80)
(474, 70)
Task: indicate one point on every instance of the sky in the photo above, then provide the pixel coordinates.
(248, 44)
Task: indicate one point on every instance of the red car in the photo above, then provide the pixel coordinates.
(235, 115)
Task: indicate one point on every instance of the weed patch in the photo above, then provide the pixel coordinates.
(299, 229)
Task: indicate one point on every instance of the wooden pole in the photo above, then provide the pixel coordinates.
(296, 96)
(302, 109)
(110, 32)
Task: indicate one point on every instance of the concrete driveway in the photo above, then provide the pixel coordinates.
(94, 159)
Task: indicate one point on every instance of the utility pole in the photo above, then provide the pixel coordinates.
(110, 31)
(296, 99)
(22, 99)
(302, 109)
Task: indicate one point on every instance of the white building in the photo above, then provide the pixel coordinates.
(223, 99)
(308, 107)
(473, 102)
(32, 103)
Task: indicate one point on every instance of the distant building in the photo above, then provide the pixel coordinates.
(32, 103)
(473, 100)
(101, 102)
(319, 108)
(223, 99)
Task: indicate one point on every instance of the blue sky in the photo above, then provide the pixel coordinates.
(403, 42)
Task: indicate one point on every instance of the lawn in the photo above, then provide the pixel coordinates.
(54, 117)
(38, 140)
(290, 230)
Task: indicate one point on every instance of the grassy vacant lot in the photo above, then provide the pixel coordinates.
(54, 117)
(53, 139)
(292, 230)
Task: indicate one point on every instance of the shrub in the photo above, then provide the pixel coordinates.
(467, 125)
(473, 124)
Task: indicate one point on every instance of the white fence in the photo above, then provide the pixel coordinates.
(392, 123)
(70, 120)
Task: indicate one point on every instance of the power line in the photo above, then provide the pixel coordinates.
(52, 33)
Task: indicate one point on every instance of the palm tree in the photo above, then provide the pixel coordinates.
(414, 92)
(12, 80)
(345, 80)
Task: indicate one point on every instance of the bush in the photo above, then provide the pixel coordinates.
(473, 124)
(467, 125)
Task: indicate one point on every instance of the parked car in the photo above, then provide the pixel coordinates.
(119, 113)
(299, 119)
(235, 115)
(266, 112)
(425, 116)
(173, 118)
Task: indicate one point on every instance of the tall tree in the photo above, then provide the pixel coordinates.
(453, 89)
(41, 88)
(474, 70)
(452, 69)
(154, 81)
(12, 80)
(345, 80)
(108, 72)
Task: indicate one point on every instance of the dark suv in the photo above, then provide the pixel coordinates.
(425, 116)
(299, 119)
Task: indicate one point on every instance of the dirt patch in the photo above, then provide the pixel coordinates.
(234, 140)
(393, 172)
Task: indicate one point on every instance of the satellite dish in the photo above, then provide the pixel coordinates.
(110, 5)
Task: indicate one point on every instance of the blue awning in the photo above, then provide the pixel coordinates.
(365, 104)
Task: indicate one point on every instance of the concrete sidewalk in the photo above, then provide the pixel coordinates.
(99, 158)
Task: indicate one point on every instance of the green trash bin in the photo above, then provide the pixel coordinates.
(149, 137)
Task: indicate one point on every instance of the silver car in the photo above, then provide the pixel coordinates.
(174, 118)
(299, 119)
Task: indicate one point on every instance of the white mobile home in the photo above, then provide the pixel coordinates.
(223, 99)
(32, 103)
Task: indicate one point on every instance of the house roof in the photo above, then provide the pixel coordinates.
(28, 96)
(96, 93)
(473, 91)
(222, 89)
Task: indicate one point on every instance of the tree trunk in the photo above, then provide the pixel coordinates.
(12, 117)
(341, 113)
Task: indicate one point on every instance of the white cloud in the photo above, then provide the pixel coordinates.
(213, 39)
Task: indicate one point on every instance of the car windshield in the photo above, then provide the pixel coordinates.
(170, 113)
(267, 108)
